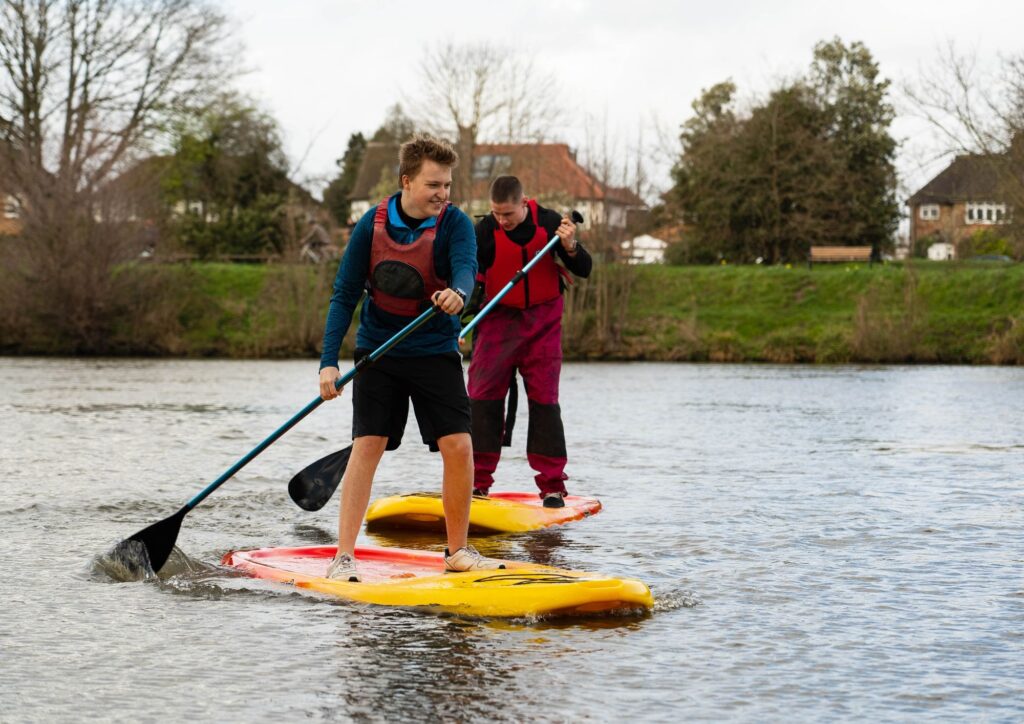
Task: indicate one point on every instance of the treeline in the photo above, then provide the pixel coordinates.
(811, 162)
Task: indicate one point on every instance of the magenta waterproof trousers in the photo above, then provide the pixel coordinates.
(530, 341)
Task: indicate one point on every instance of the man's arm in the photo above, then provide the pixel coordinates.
(579, 263)
(462, 254)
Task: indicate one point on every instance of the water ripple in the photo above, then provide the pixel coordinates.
(822, 543)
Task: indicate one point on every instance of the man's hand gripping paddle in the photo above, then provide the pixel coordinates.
(314, 485)
(159, 538)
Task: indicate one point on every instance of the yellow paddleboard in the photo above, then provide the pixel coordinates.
(402, 577)
(499, 513)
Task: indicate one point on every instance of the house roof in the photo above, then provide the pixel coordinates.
(967, 178)
(546, 169)
(376, 158)
(142, 173)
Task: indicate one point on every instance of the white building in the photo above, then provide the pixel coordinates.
(644, 249)
(941, 251)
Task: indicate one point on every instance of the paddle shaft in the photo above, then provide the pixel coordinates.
(338, 384)
(516, 278)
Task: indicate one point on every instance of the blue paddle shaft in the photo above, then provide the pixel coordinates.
(338, 384)
(508, 287)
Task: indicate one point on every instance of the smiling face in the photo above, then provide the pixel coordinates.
(425, 193)
(509, 214)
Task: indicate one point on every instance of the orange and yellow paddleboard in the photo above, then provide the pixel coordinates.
(402, 577)
(500, 513)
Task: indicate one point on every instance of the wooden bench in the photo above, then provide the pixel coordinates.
(824, 254)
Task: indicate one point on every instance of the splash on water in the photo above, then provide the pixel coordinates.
(128, 561)
(672, 600)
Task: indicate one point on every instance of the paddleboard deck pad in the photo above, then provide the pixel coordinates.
(501, 512)
(413, 578)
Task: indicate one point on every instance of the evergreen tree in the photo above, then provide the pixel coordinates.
(854, 97)
(810, 164)
(336, 195)
(228, 174)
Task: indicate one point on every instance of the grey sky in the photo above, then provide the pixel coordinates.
(328, 69)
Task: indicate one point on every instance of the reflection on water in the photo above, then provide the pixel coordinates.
(821, 542)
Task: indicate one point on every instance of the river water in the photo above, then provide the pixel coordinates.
(823, 543)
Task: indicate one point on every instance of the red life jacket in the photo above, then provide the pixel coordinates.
(402, 276)
(537, 287)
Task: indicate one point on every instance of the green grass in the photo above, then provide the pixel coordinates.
(919, 312)
(850, 312)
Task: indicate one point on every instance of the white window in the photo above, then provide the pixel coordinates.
(985, 213)
(928, 212)
(12, 207)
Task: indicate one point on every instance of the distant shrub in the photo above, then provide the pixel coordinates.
(984, 241)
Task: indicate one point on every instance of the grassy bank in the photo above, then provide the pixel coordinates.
(924, 313)
(236, 310)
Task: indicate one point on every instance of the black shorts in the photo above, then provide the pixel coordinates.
(435, 384)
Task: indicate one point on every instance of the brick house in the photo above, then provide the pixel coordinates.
(549, 172)
(963, 199)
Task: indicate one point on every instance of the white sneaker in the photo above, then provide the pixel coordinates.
(468, 558)
(343, 568)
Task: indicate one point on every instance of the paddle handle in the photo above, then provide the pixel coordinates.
(315, 403)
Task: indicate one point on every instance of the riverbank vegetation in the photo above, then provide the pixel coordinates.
(892, 313)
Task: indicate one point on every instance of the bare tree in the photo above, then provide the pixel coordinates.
(617, 168)
(481, 93)
(85, 86)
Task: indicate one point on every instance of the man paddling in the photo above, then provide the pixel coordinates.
(523, 332)
(412, 250)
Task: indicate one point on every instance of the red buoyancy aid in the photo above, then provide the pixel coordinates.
(402, 276)
(539, 286)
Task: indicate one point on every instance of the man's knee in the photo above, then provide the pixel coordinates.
(458, 446)
(546, 436)
(370, 445)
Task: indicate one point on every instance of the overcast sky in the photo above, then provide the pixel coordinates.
(328, 68)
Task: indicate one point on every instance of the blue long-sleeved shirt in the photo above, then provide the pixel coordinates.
(454, 261)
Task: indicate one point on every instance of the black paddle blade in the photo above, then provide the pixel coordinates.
(314, 486)
(157, 540)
